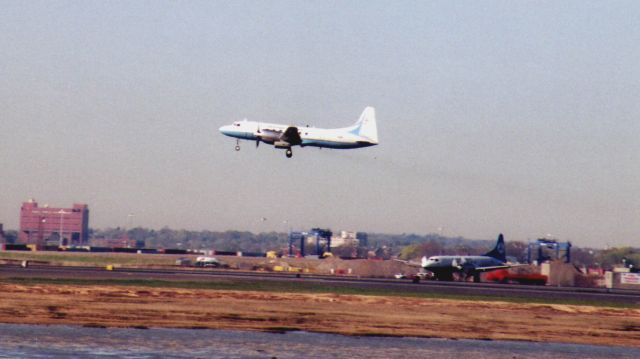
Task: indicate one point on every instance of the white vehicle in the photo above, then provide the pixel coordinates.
(363, 133)
(208, 262)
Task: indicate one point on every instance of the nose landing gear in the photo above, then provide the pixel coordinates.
(237, 145)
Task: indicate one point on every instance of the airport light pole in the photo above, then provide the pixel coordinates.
(263, 242)
(126, 234)
(287, 230)
(62, 213)
(41, 220)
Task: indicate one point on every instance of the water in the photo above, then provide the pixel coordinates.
(32, 341)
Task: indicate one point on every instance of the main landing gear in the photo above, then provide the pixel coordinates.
(289, 153)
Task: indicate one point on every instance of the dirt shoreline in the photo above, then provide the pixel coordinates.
(144, 307)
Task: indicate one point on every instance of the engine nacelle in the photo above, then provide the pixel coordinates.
(282, 144)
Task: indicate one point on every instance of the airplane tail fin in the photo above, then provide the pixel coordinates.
(366, 125)
(498, 252)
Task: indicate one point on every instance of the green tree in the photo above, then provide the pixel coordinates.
(410, 251)
(614, 257)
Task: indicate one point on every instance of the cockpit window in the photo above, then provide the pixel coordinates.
(236, 124)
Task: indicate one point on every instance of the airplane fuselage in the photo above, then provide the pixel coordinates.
(310, 136)
(444, 267)
(456, 261)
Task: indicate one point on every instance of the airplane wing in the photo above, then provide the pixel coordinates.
(412, 263)
(291, 136)
(409, 263)
(486, 269)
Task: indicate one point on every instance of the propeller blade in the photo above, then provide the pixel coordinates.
(258, 138)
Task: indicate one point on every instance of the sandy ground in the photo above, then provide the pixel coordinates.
(121, 306)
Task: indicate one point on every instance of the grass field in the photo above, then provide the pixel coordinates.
(366, 268)
(286, 306)
(302, 287)
(94, 259)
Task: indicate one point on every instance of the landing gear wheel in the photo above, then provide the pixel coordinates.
(237, 148)
(289, 153)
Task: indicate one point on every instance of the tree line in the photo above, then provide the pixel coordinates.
(403, 246)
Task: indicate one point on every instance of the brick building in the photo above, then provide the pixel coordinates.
(59, 226)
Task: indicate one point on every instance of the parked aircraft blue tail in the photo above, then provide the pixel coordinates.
(498, 252)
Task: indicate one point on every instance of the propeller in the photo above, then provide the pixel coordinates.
(460, 264)
(258, 137)
(454, 263)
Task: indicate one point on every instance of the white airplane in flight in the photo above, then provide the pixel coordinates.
(363, 133)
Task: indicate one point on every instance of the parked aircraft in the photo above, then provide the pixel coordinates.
(448, 267)
(363, 133)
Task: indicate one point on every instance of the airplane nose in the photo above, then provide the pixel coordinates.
(224, 130)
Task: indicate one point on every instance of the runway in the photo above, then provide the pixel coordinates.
(588, 295)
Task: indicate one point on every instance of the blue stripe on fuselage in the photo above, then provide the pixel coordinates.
(334, 145)
(305, 142)
(240, 134)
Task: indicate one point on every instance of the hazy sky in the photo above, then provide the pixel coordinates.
(493, 116)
